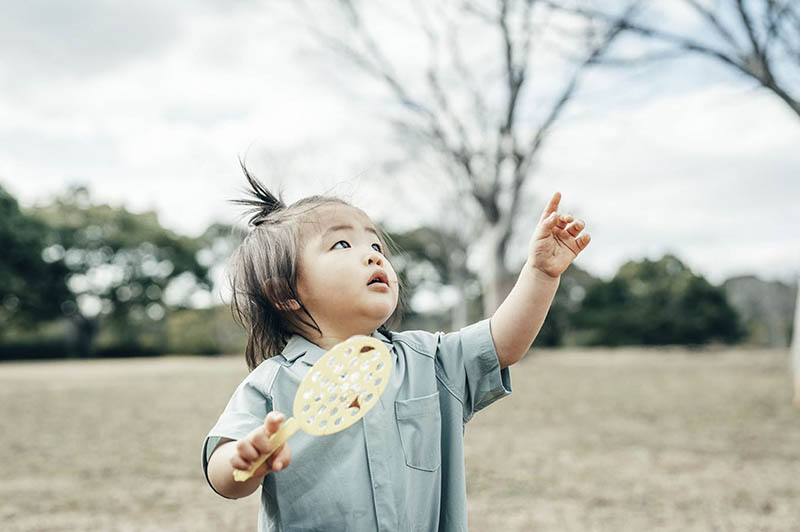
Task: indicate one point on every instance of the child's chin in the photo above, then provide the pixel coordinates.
(380, 315)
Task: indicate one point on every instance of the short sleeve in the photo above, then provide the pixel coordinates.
(246, 410)
(467, 364)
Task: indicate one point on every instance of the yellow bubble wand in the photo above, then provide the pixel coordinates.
(338, 390)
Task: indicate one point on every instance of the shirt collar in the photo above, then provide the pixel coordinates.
(308, 352)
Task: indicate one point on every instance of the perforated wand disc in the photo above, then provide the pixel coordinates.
(338, 390)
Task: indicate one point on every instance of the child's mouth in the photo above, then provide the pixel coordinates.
(379, 279)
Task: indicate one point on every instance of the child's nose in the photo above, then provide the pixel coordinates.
(374, 258)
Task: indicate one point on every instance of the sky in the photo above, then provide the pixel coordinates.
(151, 104)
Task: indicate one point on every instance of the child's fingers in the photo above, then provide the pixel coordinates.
(552, 206)
(281, 459)
(575, 228)
(273, 422)
(260, 438)
(238, 463)
(548, 224)
(555, 222)
(246, 450)
(563, 219)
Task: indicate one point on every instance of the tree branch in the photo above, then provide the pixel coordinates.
(381, 69)
(754, 64)
(614, 31)
(714, 21)
(440, 96)
(481, 109)
(748, 26)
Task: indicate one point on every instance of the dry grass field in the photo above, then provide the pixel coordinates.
(590, 440)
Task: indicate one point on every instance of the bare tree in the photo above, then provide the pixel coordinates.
(796, 348)
(757, 38)
(480, 105)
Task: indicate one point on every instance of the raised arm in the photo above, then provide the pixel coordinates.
(556, 242)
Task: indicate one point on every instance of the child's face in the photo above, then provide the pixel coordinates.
(343, 279)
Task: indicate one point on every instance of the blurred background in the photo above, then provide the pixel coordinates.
(671, 127)
(667, 126)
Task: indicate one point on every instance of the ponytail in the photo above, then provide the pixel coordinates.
(261, 202)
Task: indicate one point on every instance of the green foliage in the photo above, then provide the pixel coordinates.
(85, 279)
(648, 302)
(558, 328)
(657, 303)
(119, 267)
(434, 260)
(30, 288)
(204, 331)
(79, 278)
(766, 309)
(37, 339)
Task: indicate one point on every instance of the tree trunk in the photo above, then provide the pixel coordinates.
(496, 280)
(459, 314)
(796, 348)
(495, 291)
(84, 330)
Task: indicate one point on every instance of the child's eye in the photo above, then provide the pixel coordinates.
(344, 244)
(377, 247)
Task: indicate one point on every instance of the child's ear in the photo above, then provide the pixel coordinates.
(289, 305)
(277, 291)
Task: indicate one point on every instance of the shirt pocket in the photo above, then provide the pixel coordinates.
(420, 423)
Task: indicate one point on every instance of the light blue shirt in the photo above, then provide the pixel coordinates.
(401, 467)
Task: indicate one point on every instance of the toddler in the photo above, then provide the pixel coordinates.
(314, 273)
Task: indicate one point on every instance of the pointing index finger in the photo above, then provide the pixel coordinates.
(552, 206)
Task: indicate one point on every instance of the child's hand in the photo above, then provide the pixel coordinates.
(556, 241)
(255, 444)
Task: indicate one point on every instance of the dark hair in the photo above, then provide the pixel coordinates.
(263, 271)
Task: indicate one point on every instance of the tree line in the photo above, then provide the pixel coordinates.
(82, 279)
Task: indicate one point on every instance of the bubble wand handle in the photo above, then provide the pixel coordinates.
(275, 441)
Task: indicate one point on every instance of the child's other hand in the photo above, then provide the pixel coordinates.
(557, 240)
(255, 444)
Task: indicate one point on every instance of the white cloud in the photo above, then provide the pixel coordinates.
(700, 175)
(708, 172)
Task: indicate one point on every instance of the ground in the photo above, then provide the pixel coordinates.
(589, 440)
